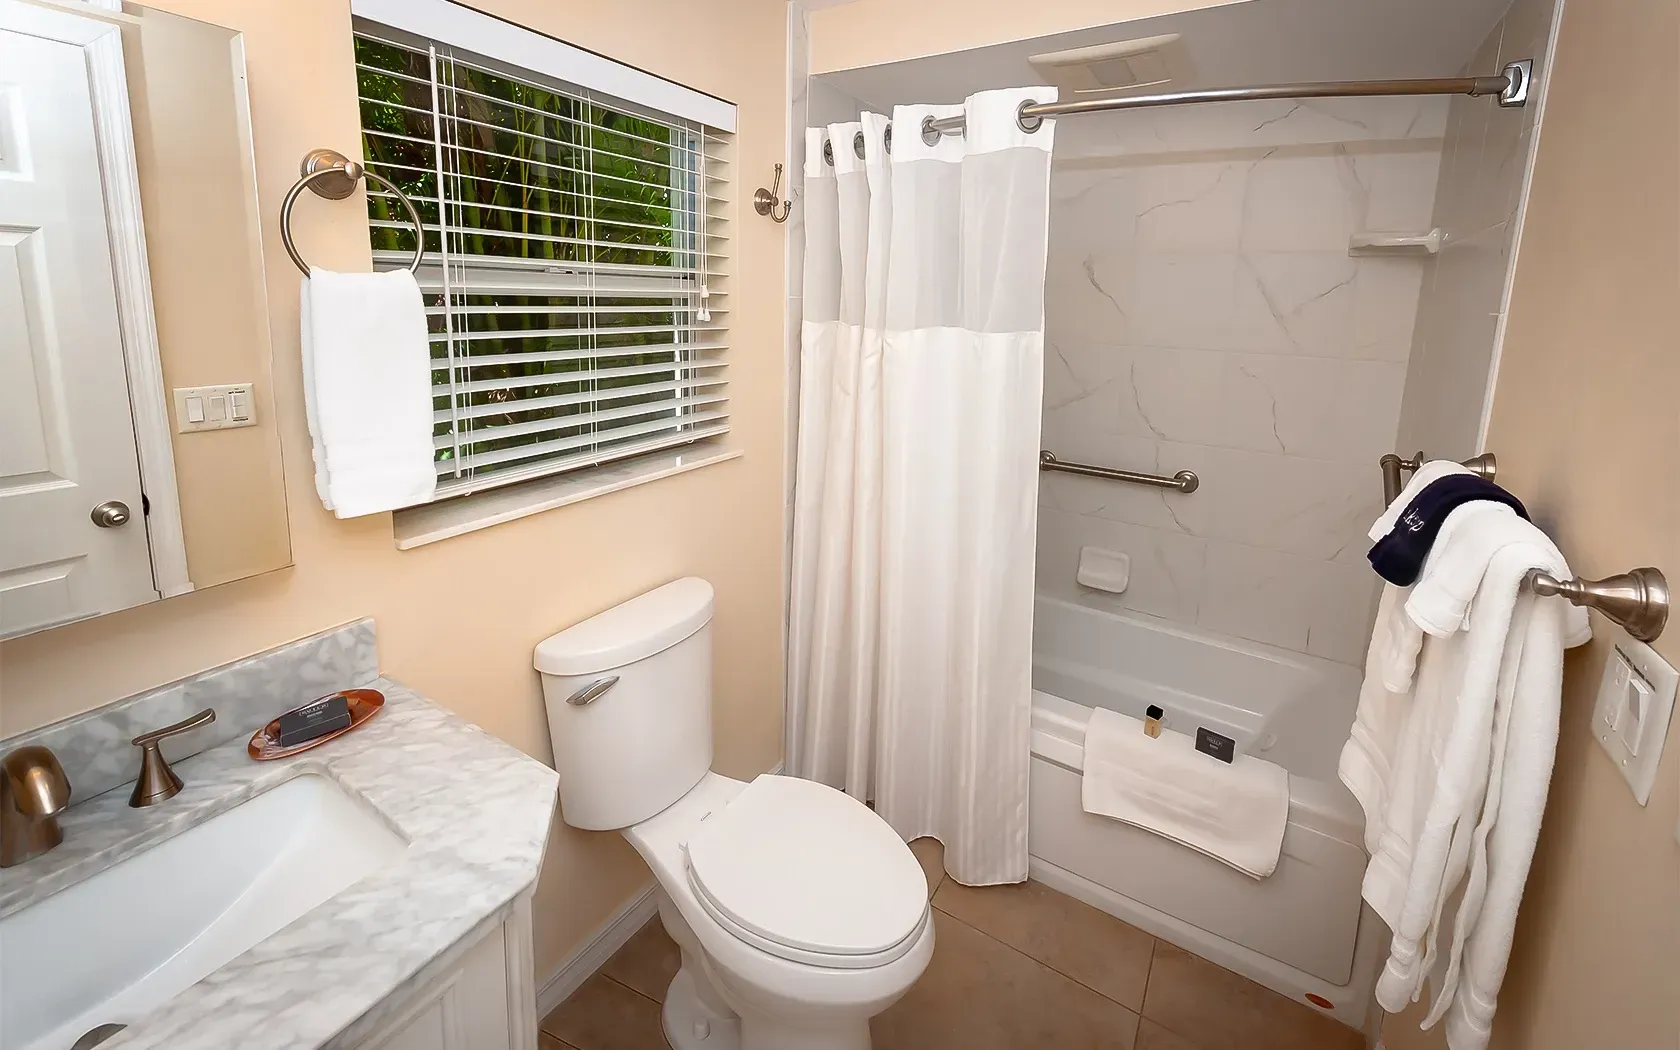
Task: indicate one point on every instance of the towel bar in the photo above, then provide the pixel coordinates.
(1485, 465)
(1637, 600)
(1183, 481)
(332, 175)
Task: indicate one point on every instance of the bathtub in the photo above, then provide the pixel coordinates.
(1304, 931)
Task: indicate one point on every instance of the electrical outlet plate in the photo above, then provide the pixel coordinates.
(214, 407)
(1630, 717)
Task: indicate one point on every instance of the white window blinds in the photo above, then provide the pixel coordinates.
(577, 305)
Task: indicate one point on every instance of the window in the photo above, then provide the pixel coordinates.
(573, 242)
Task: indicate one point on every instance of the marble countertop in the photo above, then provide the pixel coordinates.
(475, 811)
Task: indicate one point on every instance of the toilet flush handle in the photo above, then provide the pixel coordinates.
(592, 692)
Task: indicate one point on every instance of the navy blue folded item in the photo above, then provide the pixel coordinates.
(1398, 557)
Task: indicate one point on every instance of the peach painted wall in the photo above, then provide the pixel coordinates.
(1585, 426)
(458, 619)
(868, 32)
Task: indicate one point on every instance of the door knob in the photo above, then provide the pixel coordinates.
(111, 514)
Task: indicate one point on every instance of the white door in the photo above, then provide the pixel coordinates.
(66, 434)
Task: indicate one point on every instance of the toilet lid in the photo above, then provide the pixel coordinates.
(793, 864)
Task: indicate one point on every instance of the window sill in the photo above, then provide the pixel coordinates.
(418, 526)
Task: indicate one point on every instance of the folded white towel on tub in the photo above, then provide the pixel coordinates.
(1234, 812)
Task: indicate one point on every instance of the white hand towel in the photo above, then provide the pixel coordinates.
(1234, 812)
(1440, 602)
(1432, 471)
(368, 390)
(1454, 567)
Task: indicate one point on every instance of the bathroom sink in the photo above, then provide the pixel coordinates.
(111, 947)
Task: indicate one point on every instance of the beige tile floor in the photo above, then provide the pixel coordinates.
(1013, 966)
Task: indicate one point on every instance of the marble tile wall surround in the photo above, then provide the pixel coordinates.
(1203, 313)
(1484, 168)
(94, 746)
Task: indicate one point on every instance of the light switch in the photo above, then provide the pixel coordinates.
(1630, 717)
(214, 407)
(1630, 726)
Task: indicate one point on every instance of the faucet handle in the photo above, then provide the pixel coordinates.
(157, 781)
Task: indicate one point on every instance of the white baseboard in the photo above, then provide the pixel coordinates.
(594, 952)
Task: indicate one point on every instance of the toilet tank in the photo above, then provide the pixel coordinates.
(629, 698)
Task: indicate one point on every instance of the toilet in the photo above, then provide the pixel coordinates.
(800, 913)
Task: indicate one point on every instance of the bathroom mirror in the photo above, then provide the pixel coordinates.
(139, 457)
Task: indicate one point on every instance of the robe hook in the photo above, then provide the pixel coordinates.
(764, 200)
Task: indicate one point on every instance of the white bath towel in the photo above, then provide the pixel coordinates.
(1452, 775)
(367, 390)
(1234, 812)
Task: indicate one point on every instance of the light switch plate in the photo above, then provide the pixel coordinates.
(1635, 702)
(226, 397)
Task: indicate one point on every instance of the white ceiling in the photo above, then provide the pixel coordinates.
(1241, 44)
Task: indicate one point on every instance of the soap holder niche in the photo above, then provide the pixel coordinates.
(1104, 570)
(1372, 242)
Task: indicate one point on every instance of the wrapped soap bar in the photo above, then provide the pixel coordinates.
(312, 720)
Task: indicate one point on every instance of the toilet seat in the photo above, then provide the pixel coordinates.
(809, 874)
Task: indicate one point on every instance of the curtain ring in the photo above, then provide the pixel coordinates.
(1027, 122)
(887, 138)
(857, 145)
(828, 152)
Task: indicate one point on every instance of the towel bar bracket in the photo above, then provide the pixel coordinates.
(1637, 600)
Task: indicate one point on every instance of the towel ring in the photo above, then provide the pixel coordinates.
(333, 175)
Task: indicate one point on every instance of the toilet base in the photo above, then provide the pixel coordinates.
(689, 1025)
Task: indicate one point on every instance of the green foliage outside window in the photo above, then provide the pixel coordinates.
(537, 175)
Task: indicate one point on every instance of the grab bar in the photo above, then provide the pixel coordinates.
(1183, 481)
(1483, 466)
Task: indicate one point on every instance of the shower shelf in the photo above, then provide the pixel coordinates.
(1380, 243)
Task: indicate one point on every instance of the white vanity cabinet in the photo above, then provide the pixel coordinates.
(486, 1001)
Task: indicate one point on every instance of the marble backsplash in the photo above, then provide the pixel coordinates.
(94, 746)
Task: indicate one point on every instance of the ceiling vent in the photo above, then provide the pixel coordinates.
(1148, 62)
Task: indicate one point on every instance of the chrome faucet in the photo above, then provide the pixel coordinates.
(33, 791)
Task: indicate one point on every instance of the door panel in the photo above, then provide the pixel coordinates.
(66, 433)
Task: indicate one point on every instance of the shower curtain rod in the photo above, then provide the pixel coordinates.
(1511, 86)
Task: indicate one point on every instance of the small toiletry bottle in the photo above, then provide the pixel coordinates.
(1152, 720)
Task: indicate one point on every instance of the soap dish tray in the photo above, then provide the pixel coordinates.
(363, 703)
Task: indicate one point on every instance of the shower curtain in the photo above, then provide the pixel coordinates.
(922, 364)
